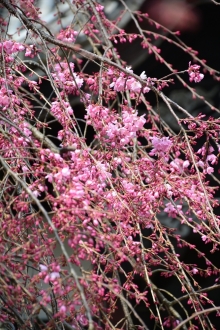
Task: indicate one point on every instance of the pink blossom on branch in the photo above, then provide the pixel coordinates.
(66, 78)
(11, 47)
(194, 74)
(49, 276)
(160, 146)
(68, 35)
(123, 83)
(111, 127)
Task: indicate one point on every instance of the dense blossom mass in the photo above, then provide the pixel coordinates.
(81, 216)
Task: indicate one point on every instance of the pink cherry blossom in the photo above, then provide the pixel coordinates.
(194, 74)
(68, 35)
(160, 145)
(195, 270)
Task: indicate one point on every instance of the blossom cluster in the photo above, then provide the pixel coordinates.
(68, 35)
(66, 78)
(209, 158)
(61, 110)
(125, 82)
(49, 276)
(194, 74)
(11, 47)
(173, 210)
(160, 146)
(111, 127)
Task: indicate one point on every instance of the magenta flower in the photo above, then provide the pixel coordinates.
(160, 146)
(194, 74)
(48, 276)
(195, 271)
